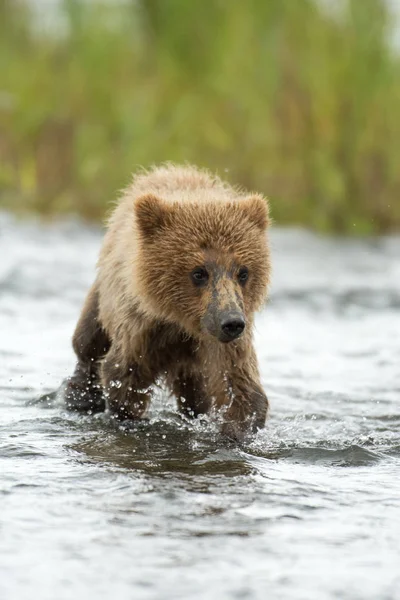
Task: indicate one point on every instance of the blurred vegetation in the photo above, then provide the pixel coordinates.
(297, 98)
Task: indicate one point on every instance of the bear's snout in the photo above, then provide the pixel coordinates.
(231, 327)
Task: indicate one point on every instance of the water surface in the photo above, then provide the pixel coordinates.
(307, 509)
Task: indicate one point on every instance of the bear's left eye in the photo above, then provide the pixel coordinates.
(243, 275)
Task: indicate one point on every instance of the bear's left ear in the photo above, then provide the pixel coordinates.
(151, 214)
(257, 210)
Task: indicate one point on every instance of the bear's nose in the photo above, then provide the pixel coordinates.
(232, 327)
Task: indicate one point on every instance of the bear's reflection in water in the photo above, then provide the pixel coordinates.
(162, 448)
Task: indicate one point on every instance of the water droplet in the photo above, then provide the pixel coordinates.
(116, 384)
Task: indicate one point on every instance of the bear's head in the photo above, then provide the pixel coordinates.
(203, 265)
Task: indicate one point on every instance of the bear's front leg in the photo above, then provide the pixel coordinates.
(83, 391)
(127, 387)
(247, 405)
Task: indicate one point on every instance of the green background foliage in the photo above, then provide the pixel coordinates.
(299, 99)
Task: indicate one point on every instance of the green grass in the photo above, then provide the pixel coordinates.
(281, 96)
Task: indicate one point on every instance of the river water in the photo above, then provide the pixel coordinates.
(307, 509)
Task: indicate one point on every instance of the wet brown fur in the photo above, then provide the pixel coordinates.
(144, 320)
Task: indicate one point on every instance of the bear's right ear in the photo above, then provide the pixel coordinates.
(151, 214)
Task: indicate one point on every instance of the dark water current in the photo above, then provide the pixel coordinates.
(308, 509)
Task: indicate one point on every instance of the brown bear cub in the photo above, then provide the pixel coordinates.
(183, 268)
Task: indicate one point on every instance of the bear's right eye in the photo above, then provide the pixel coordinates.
(199, 276)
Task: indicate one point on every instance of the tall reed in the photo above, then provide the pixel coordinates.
(288, 97)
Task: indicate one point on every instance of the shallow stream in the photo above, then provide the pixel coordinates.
(307, 509)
